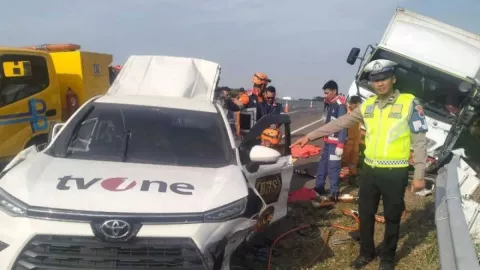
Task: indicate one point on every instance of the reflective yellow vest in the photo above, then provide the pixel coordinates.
(387, 138)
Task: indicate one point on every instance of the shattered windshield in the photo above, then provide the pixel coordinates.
(141, 134)
(442, 94)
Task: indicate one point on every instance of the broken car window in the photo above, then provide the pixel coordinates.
(156, 136)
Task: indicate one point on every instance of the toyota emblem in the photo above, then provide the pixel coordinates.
(115, 229)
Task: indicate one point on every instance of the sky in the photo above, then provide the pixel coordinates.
(299, 44)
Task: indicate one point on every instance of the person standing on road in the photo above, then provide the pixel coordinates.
(394, 122)
(230, 105)
(325, 106)
(255, 95)
(330, 161)
(352, 147)
(269, 105)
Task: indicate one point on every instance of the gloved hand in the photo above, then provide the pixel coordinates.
(338, 151)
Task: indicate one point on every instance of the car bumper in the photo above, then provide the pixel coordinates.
(72, 245)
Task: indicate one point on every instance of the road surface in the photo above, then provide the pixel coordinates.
(305, 119)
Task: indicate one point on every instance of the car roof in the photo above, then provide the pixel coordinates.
(160, 102)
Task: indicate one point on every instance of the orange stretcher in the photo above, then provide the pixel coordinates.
(306, 151)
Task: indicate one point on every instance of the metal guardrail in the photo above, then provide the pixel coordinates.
(456, 248)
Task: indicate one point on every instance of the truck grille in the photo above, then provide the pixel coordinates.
(73, 252)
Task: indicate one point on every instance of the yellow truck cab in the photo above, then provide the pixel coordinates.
(40, 87)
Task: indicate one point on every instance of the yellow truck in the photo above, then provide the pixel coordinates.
(43, 85)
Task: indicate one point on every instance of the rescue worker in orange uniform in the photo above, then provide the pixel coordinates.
(255, 95)
(351, 149)
(254, 98)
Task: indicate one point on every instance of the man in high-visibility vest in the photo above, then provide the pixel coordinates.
(394, 122)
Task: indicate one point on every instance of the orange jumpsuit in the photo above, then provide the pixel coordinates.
(351, 149)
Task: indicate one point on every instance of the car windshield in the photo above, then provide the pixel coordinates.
(438, 91)
(141, 134)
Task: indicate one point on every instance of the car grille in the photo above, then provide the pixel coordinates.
(72, 252)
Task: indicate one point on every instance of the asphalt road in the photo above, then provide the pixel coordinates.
(305, 119)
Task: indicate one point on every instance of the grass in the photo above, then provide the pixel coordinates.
(417, 248)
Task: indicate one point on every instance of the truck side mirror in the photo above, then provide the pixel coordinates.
(353, 55)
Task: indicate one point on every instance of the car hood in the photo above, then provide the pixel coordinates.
(44, 181)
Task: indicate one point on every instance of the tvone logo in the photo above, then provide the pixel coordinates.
(117, 184)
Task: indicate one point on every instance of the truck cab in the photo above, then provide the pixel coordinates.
(438, 63)
(40, 87)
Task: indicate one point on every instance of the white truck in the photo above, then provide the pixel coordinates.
(146, 176)
(439, 64)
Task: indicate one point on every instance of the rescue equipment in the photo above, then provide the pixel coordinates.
(72, 103)
(305, 152)
(271, 137)
(301, 227)
(354, 214)
(55, 47)
(244, 98)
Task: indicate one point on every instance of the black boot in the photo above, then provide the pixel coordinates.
(386, 264)
(334, 197)
(361, 261)
(320, 190)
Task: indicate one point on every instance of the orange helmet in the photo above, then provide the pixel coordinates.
(244, 98)
(271, 137)
(260, 78)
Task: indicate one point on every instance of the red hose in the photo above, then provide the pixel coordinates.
(280, 237)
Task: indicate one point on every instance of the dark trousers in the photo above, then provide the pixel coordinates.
(390, 184)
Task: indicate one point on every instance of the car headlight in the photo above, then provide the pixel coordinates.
(226, 212)
(11, 206)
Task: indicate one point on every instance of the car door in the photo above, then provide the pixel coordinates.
(271, 181)
(29, 101)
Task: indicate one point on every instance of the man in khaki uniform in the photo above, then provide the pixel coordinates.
(394, 123)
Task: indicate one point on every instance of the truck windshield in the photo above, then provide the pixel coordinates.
(438, 91)
(141, 134)
(21, 76)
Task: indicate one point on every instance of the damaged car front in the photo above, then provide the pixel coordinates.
(79, 203)
(135, 182)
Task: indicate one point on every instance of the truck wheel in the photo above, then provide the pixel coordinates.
(37, 140)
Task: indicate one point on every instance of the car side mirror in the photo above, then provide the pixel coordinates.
(54, 131)
(264, 155)
(353, 55)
